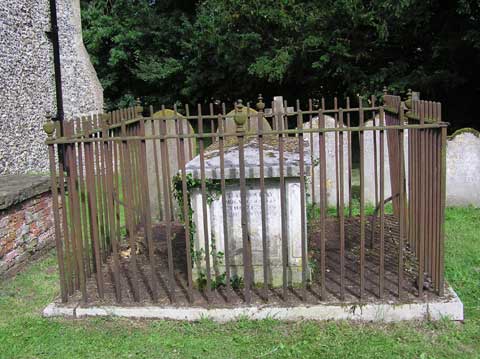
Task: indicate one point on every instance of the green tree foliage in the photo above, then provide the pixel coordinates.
(138, 47)
(195, 51)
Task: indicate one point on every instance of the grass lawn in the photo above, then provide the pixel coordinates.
(25, 334)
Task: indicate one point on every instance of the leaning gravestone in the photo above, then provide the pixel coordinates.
(156, 169)
(369, 155)
(463, 168)
(331, 168)
(253, 204)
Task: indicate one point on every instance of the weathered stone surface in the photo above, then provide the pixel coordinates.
(430, 309)
(253, 206)
(463, 169)
(291, 160)
(370, 163)
(330, 163)
(58, 310)
(156, 169)
(254, 219)
(27, 87)
(16, 189)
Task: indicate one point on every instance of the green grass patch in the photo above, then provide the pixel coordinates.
(25, 334)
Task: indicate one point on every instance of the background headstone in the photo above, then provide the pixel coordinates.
(463, 168)
(370, 163)
(330, 159)
(157, 169)
(278, 109)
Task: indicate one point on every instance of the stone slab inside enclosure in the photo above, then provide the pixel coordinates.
(369, 150)
(27, 76)
(291, 159)
(463, 168)
(253, 206)
(331, 167)
(156, 168)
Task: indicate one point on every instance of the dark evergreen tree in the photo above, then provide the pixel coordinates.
(164, 51)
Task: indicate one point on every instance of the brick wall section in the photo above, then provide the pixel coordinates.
(26, 225)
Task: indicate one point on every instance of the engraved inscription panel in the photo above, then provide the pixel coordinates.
(254, 221)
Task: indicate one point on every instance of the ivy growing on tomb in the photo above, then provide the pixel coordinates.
(213, 192)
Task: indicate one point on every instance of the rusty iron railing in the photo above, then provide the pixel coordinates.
(126, 229)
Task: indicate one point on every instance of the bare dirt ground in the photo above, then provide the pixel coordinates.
(274, 296)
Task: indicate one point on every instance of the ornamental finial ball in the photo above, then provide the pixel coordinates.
(49, 126)
(408, 102)
(385, 90)
(85, 122)
(138, 107)
(105, 119)
(240, 116)
(260, 103)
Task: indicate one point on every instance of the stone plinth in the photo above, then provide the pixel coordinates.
(254, 216)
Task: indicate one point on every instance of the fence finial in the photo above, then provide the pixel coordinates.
(49, 126)
(138, 108)
(260, 103)
(240, 115)
(385, 90)
(105, 119)
(408, 102)
(85, 125)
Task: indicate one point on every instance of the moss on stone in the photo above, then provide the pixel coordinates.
(168, 114)
(464, 130)
(290, 144)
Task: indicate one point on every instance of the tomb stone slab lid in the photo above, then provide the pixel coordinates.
(271, 155)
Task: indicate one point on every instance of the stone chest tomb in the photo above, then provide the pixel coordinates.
(273, 209)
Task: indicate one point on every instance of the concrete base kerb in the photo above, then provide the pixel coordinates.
(450, 308)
